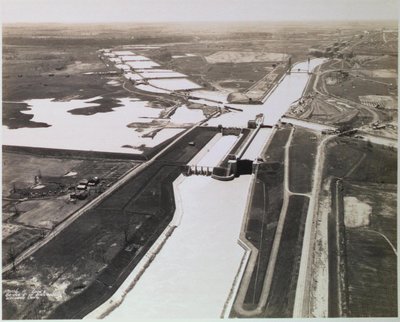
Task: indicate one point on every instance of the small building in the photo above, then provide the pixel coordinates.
(82, 184)
(93, 181)
(379, 127)
(81, 195)
(251, 124)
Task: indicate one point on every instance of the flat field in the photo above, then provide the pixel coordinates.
(370, 256)
(353, 87)
(244, 57)
(33, 209)
(283, 288)
(20, 169)
(369, 174)
(264, 214)
(302, 154)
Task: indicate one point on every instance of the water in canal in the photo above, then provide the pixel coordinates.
(192, 275)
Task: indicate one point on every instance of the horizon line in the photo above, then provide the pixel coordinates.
(201, 21)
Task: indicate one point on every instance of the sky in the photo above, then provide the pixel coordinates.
(96, 11)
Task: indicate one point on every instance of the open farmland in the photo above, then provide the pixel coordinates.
(39, 71)
(368, 174)
(19, 240)
(37, 193)
(244, 57)
(377, 62)
(354, 87)
(45, 214)
(377, 41)
(26, 167)
(370, 256)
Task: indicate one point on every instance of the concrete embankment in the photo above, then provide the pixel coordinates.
(241, 282)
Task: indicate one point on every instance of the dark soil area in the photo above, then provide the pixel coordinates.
(368, 265)
(354, 87)
(372, 275)
(378, 166)
(18, 242)
(383, 200)
(237, 85)
(283, 288)
(371, 262)
(261, 224)
(106, 105)
(32, 181)
(71, 154)
(275, 150)
(14, 119)
(58, 86)
(264, 212)
(250, 72)
(182, 152)
(302, 153)
(385, 61)
(341, 156)
(335, 248)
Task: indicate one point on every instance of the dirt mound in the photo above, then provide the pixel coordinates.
(356, 212)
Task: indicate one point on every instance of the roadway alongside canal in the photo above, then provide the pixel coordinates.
(275, 225)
